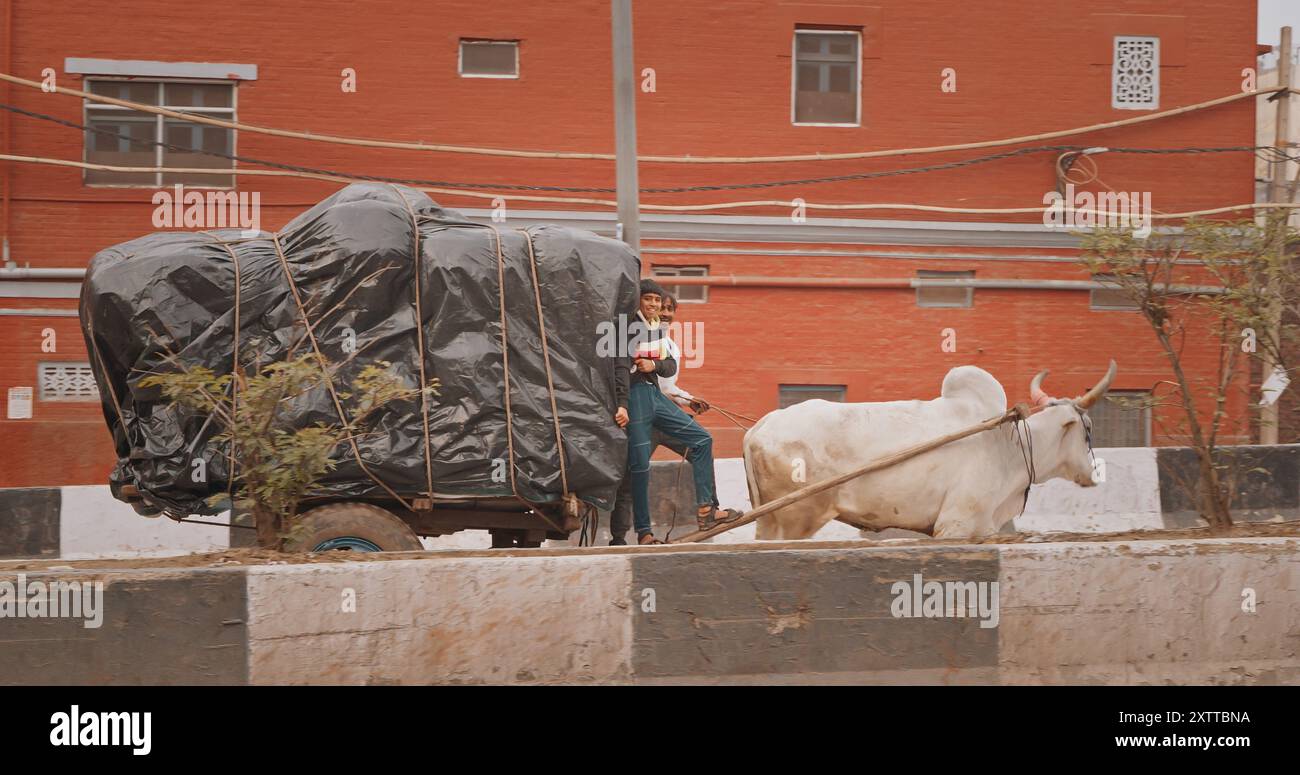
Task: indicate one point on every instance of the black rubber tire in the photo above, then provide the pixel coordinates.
(360, 520)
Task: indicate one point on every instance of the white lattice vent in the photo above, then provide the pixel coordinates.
(1135, 79)
(67, 381)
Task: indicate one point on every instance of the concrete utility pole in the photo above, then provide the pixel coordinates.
(629, 199)
(1282, 135)
(1277, 192)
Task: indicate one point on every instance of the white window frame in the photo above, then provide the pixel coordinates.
(460, 56)
(794, 76)
(231, 113)
(665, 272)
(1114, 73)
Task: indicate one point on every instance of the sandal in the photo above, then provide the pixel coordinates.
(715, 517)
(641, 541)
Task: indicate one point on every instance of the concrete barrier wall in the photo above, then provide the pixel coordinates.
(1192, 611)
(88, 522)
(481, 620)
(1204, 612)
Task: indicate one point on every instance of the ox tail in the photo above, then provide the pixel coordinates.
(755, 499)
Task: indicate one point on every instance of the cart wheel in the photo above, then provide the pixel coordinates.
(357, 527)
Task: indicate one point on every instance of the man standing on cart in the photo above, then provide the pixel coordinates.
(649, 410)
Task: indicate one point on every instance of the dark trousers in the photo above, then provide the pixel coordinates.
(654, 420)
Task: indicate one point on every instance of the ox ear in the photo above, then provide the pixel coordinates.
(1036, 394)
(1098, 390)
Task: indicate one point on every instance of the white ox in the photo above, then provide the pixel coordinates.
(967, 488)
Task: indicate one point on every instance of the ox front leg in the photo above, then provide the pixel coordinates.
(953, 524)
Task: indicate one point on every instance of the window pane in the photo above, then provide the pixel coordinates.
(135, 149)
(794, 394)
(684, 292)
(201, 138)
(145, 92)
(1121, 419)
(484, 58)
(198, 95)
(197, 137)
(843, 44)
(1109, 297)
(814, 107)
(941, 296)
(808, 43)
(809, 78)
(841, 78)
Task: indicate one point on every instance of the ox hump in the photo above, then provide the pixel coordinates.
(973, 385)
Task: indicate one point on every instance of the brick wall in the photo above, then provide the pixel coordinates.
(722, 74)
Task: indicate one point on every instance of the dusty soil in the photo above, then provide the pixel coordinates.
(262, 557)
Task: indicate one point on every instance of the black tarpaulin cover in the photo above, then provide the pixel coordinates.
(175, 292)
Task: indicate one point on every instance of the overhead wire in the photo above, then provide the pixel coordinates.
(445, 148)
(1266, 153)
(655, 207)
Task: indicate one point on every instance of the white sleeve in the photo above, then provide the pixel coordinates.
(668, 385)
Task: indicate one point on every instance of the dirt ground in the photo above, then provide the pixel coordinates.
(260, 557)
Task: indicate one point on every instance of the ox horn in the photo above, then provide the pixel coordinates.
(1098, 390)
(1036, 393)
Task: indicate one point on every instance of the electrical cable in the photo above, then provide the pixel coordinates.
(421, 146)
(1260, 151)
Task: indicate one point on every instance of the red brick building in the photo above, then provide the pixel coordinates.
(738, 78)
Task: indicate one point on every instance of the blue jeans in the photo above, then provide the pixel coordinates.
(620, 519)
(649, 410)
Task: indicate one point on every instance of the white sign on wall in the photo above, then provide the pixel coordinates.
(20, 403)
(1273, 386)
